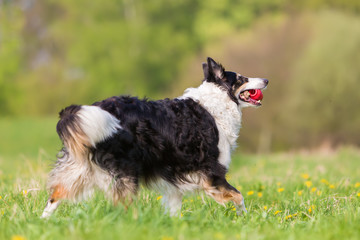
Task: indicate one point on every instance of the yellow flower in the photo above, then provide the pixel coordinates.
(219, 235)
(280, 189)
(295, 214)
(181, 215)
(288, 216)
(17, 237)
(358, 194)
(300, 192)
(308, 183)
(311, 208)
(167, 238)
(233, 209)
(0, 197)
(158, 198)
(265, 207)
(277, 212)
(313, 189)
(260, 194)
(357, 184)
(305, 176)
(24, 192)
(324, 181)
(250, 193)
(2, 211)
(332, 186)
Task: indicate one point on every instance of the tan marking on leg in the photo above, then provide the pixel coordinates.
(223, 195)
(54, 201)
(59, 192)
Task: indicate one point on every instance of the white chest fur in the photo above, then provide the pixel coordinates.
(226, 113)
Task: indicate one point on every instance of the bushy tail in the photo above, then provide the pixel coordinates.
(81, 127)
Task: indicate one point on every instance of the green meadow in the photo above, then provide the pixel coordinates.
(288, 196)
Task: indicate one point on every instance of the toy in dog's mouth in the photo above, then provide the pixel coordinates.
(252, 96)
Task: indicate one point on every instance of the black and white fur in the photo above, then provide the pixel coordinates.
(172, 145)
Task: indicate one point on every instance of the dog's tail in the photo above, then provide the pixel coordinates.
(82, 127)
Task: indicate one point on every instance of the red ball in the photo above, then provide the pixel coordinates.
(256, 94)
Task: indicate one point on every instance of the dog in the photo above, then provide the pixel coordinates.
(171, 145)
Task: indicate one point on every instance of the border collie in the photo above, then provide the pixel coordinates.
(172, 145)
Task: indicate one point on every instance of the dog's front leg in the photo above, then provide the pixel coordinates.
(172, 202)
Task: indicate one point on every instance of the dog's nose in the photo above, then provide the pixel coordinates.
(265, 81)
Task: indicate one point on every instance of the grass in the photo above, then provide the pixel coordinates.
(288, 196)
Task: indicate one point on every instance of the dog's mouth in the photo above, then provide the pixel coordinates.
(252, 96)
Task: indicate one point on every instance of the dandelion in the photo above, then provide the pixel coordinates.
(181, 215)
(305, 176)
(308, 184)
(260, 194)
(233, 209)
(324, 181)
(357, 184)
(265, 207)
(277, 212)
(331, 186)
(167, 238)
(313, 189)
(219, 235)
(288, 216)
(17, 237)
(24, 192)
(0, 197)
(250, 193)
(358, 194)
(295, 214)
(311, 209)
(158, 198)
(280, 190)
(300, 192)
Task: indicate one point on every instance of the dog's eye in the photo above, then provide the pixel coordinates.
(242, 78)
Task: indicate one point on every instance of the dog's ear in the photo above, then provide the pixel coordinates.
(205, 70)
(214, 69)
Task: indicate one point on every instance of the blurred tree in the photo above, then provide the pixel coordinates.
(323, 93)
(54, 53)
(11, 45)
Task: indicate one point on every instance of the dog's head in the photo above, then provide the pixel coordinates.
(238, 87)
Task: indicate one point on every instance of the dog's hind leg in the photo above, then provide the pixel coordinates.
(58, 194)
(70, 179)
(123, 190)
(222, 192)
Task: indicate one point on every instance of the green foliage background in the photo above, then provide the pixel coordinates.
(55, 53)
